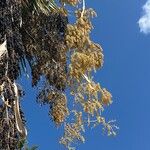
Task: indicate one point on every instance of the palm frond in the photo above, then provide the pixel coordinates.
(44, 6)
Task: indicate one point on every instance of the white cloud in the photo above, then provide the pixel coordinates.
(144, 21)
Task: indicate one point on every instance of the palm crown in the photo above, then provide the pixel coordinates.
(37, 32)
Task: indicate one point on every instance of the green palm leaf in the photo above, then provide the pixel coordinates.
(45, 6)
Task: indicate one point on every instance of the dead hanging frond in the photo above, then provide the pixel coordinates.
(12, 123)
(19, 124)
(3, 49)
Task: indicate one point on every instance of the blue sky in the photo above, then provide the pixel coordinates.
(126, 73)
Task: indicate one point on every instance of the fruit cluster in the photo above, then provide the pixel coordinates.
(73, 132)
(85, 57)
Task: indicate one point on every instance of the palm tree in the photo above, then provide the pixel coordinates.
(37, 33)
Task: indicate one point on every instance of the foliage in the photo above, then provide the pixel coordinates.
(37, 32)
